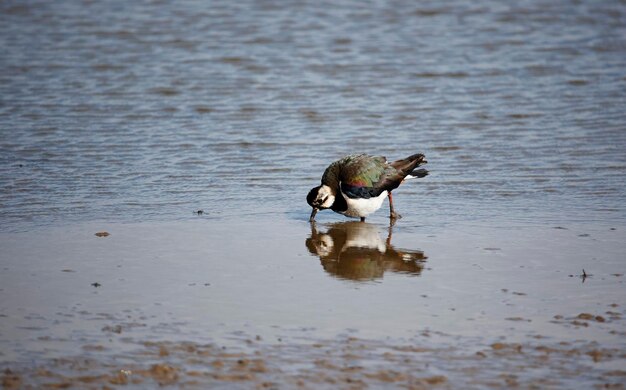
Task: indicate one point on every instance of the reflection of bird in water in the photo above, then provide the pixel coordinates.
(354, 250)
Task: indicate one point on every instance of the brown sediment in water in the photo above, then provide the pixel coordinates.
(340, 363)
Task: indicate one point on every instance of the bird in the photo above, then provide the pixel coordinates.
(357, 185)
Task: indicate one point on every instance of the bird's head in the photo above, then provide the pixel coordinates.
(321, 197)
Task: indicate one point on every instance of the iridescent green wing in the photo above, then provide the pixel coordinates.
(362, 176)
(362, 170)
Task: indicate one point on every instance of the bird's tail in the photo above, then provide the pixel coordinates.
(407, 165)
(417, 173)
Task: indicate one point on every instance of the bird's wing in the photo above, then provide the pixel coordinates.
(362, 170)
(365, 176)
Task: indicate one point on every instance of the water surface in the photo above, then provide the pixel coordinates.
(149, 110)
(129, 117)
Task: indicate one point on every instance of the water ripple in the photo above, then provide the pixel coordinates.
(138, 110)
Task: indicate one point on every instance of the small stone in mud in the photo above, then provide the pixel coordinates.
(435, 380)
(11, 380)
(103, 234)
(115, 329)
(583, 235)
(597, 355)
(96, 284)
(67, 270)
(517, 319)
(585, 316)
(120, 378)
(93, 347)
(164, 374)
(200, 212)
(518, 293)
(509, 347)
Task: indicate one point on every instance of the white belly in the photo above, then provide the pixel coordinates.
(363, 207)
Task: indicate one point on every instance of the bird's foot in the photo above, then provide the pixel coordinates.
(394, 216)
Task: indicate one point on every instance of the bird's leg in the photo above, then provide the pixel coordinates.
(362, 219)
(392, 213)
(389, 233)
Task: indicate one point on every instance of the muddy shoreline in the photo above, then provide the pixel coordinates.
(341, 363)
(333, 305)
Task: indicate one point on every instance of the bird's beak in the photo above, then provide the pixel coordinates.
(312, 217)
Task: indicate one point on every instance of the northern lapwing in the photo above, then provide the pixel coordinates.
(357, 185)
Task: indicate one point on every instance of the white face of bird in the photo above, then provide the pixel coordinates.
(324, 198)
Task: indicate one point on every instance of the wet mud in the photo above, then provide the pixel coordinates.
(346, 363)
(350, 305)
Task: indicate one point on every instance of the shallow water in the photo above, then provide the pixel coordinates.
(131, 117)
(70, 299)
(150, 110)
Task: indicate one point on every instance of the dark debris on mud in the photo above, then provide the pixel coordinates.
(347, 363)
